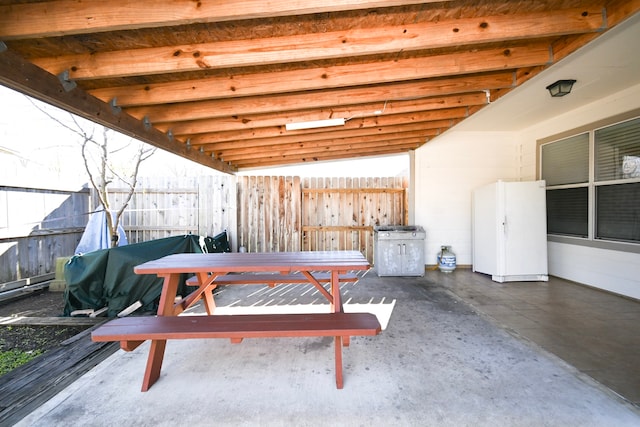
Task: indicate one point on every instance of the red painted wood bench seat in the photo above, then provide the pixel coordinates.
(133, 331)
(271, 279)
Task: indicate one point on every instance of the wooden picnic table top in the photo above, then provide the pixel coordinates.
(255, 262)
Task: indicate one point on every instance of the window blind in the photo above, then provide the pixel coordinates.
(566, 161)
(617, 150)
(618, 212)
(568, 211)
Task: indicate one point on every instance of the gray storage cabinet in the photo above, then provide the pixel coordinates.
(399, 250)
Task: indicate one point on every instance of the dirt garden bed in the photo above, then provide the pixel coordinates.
(20, 343)
(49, 351)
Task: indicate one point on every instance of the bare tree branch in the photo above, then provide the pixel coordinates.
(100, 169)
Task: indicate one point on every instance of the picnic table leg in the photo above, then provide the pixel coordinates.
(168, 295)
(154, 363)
(156, 351)
(209, 303)
(336, 306)
(207, 293)
(338, 348)
(337, 301)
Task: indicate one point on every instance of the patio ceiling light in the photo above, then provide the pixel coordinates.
(560, 88)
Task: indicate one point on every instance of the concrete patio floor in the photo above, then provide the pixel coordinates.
(437, 363)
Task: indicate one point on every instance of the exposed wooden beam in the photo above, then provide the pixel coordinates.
(25, 77)
(206, 142)
(477, 61)
(567, 45)
(328, 149)
(319, 157)
(312, 47)
(324, 99)
(355, 143)
(60, 17)
(357, 124)
(619, 10)
(364, 110)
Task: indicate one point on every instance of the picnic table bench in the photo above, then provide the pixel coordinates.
(271, 279)
(215, 268)
(133, 331)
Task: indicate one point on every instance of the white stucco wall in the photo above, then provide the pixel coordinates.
(613, 271)
(447, 170)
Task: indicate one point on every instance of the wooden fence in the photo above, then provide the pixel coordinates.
(163, 207)
(340, 213)
(36, 227)
(259, 213)
(287, 214)
(269, 213)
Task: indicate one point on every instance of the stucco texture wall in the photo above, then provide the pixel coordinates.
(446, 172)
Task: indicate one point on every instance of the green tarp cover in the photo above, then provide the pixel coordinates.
(106, 278)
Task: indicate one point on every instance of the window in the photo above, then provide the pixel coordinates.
(618, 212)
(566, 161)
(593, 183)
(617, 150)
(565, 167)
(568, 211)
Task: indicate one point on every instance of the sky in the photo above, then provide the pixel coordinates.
(35, 149)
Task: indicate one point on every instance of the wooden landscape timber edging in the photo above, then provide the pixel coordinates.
(50, 321)
(26, 388)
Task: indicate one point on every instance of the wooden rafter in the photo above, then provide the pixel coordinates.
(485, 60)
(62, 17)
(317, 46)
(325, 99)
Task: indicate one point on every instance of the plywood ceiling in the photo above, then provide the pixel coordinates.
(216, 81)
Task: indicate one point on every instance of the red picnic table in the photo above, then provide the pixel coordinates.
(132, 332)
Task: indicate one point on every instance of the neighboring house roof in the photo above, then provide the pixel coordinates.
(216, 82)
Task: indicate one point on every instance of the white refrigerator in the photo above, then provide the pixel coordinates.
(509, 231)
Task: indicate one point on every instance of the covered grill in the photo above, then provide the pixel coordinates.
(399, 250)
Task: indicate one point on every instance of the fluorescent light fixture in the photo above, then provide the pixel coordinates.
(315, 124)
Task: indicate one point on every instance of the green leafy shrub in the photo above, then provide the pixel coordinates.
(11, 359)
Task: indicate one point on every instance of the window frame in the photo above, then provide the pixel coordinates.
(590, 240)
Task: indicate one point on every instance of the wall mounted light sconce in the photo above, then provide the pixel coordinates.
(315, 124)
(560, 88)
